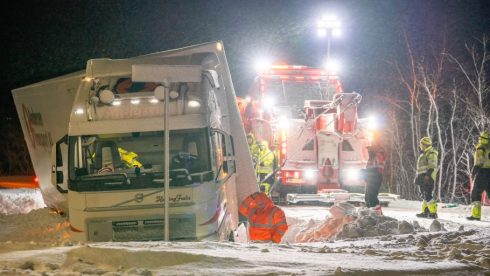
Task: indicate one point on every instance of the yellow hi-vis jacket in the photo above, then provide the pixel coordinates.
(265, 163)
(482, 158)
(254, 150)
(129, 158)
(428, 160)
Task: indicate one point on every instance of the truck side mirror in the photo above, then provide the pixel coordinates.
(59, 177)
(56, 162)
(59, 158)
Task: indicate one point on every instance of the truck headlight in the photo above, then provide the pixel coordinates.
(309, 174)
(352, 174)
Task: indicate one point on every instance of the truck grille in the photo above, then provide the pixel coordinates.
(182, 227)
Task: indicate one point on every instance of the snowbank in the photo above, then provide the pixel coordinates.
(38, 243)
(20, 201)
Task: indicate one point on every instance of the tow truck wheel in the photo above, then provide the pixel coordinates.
(282, 192)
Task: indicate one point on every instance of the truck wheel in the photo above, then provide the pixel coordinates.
(282, 192)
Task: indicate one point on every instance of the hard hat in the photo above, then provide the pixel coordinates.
(426, 141)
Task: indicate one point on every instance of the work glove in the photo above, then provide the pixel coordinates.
(262, 164)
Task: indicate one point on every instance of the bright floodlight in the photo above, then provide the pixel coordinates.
(321, 32)
(309, 174)
(268, 102)
(372, 122)
(283, 122)
(262, 64)
(353, 174)
(328, 24)
(329, 17)
(332, 66)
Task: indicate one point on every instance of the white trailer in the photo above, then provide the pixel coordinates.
(145, 148)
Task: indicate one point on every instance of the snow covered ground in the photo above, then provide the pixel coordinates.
(34, 241)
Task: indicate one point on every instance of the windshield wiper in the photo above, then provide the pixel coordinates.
(106, 177)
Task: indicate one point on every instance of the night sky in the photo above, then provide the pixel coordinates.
(45, 39)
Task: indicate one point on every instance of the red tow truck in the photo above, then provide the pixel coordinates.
(314, 129)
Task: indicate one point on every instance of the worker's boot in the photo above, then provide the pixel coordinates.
(432, 205)
(475, 211)
(425, 210)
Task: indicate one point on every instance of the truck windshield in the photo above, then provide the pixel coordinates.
(293, 94)
(135, 160)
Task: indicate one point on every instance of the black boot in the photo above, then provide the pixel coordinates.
(424, 214)
(472, 218)
(432, 215)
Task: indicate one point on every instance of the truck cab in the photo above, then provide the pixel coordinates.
(148, 149)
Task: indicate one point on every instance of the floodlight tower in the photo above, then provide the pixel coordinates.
(329, 26)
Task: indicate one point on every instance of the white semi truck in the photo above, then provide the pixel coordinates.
(144, 148)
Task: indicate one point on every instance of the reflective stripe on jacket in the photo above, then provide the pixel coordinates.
(428, 160)
(269, 225)
(482, 158)
(267, 222)
(266, 157)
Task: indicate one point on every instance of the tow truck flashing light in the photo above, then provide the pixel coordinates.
(297, 73)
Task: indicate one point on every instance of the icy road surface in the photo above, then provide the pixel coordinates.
(38, 243)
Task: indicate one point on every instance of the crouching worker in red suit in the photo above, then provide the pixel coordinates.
(267, 222)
